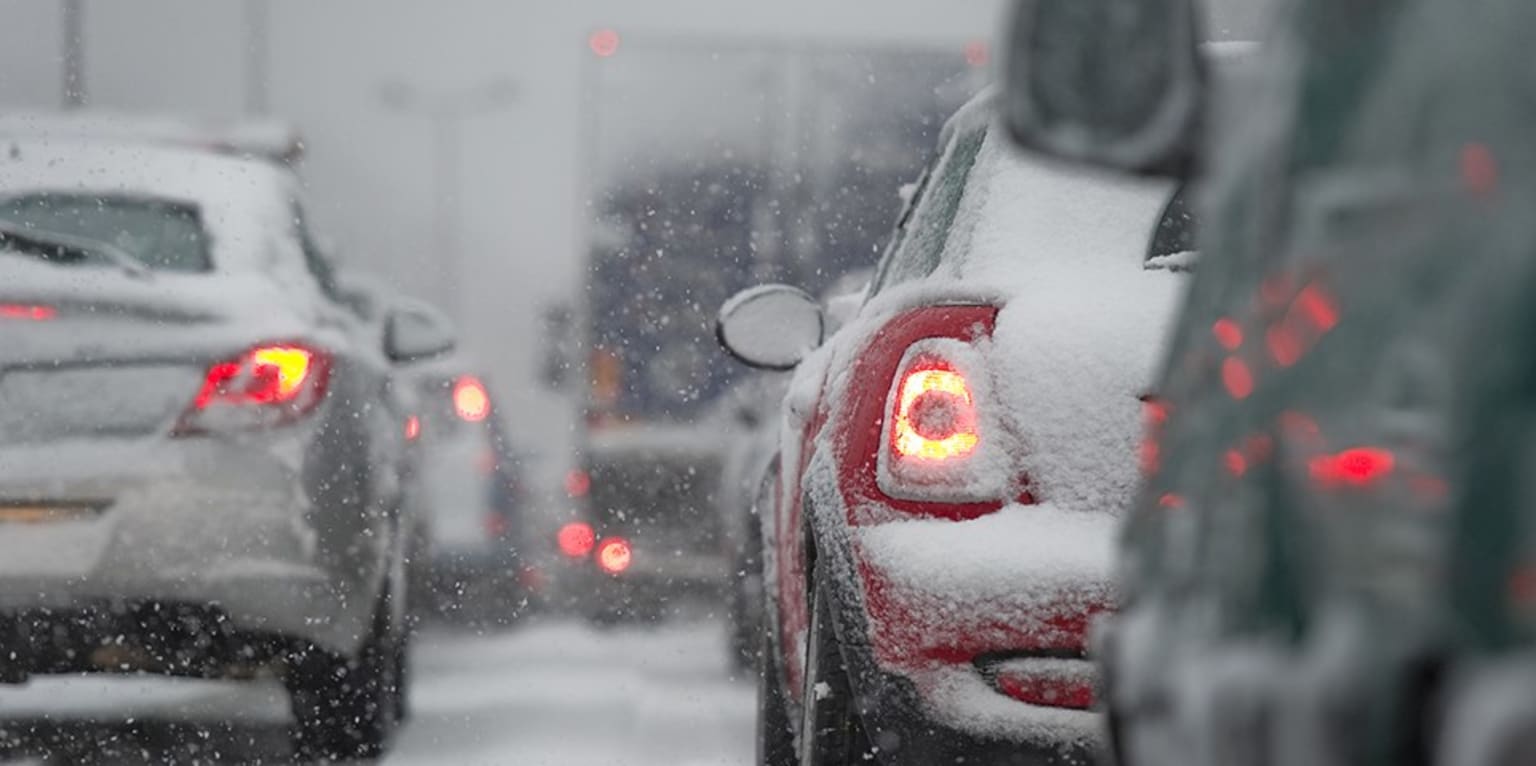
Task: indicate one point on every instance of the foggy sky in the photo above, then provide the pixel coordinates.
(369, 169)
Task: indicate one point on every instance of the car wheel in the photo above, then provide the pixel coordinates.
(831, 733)
(349, 708)
(775, 738)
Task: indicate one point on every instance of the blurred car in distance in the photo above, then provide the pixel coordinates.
(199, 459)
(952, 463)
(1331, 559)
(473, 497)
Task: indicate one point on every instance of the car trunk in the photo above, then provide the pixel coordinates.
(91, 353)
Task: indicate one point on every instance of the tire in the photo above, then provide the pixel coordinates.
(775, 737)
(348, 709)
(831, 733)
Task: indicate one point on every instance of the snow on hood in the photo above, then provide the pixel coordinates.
(1084, 324)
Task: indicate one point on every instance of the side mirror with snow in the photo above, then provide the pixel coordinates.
(771, 327)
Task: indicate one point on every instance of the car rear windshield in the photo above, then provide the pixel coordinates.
(162, 234)
(1173, 241)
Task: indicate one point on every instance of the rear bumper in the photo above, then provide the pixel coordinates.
(203, 524)
(901, 724)
(925, 604)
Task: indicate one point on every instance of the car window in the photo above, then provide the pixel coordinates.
(162, 234)
(922, 243)
(1175, 232)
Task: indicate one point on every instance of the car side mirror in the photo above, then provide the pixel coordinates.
(415, 332)
(771, 327)
(1114, 83)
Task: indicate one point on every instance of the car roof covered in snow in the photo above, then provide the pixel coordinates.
(240, 201)
(272, 140)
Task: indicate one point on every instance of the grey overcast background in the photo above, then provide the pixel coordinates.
(370, 169)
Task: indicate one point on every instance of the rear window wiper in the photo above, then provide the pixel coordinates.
(56, 246)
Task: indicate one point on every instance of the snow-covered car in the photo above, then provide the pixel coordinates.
(952, 463)
(199, 454)
(1331, 559)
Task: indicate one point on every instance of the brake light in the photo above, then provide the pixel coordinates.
(266, 386)
(614, 555)
(1358, 467)
(412, 428)
(576, 539)
(470, 399)
(27, 311)
(919, 435)
(935, 415)
(578, 483)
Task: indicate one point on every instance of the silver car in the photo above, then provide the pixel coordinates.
(199, 448)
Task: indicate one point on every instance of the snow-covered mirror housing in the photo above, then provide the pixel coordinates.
(771, 327)
(1113, 83)
(415, 332)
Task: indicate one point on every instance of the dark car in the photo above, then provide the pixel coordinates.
(470, 487)
(951, 463)
(1331, 562)
(200, 455)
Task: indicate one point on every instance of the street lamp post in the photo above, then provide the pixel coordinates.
(447, 111)
(72, 21)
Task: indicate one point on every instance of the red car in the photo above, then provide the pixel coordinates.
(953, 460)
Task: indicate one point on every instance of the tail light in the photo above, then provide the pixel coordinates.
(576, 539)
(935, 418)
(27, 311)
(470, 399)
(614, 555)
(938, 445)
(1358, 467)
(267, 386)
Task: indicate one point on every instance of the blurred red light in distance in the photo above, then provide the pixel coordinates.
(1358, 467)
(576, 539)
(26, 311)
(412, 428)
(977, 53)
(496, 525)
(1228, 333)
(604, 43)
(1238, 379)
(470, 399)
(577, 483)
(613, 555)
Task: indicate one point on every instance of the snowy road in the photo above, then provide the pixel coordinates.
(555, 693)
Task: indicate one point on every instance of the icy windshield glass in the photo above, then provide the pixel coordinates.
(161, 235)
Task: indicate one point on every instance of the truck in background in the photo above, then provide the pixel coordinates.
(795, 176)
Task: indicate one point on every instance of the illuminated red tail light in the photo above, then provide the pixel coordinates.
(27, 311)
(1358, 467)
(614, 555)
(470, 399)
(935, 417)
(576, 539)
(266, 386)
